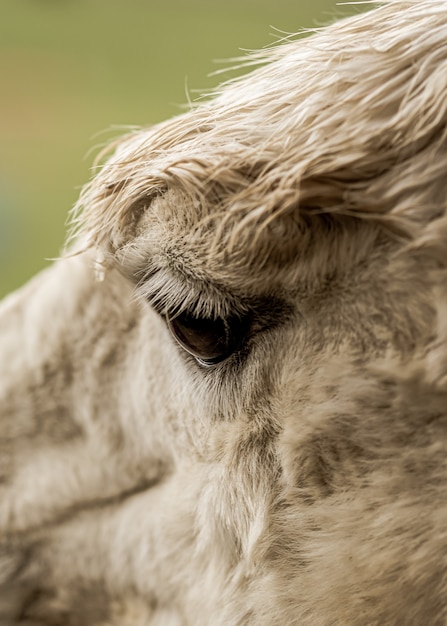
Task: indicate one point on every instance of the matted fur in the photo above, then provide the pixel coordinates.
(301, 481)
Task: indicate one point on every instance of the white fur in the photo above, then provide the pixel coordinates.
(302, 481)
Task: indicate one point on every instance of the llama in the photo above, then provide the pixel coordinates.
(226, 405)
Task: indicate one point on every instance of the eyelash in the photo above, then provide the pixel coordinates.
(212, 339)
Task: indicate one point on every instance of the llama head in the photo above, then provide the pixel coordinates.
(285, 245)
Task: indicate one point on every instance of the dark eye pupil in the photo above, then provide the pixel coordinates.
(209, 340)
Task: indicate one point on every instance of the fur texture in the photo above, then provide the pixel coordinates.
(302, 479)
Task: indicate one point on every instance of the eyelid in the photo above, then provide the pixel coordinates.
(209, 364)
(172, 296)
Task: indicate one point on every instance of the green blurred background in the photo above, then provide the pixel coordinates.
(73, 71)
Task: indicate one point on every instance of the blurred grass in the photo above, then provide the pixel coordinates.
(72, 68)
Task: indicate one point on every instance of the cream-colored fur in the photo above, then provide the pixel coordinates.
(302, 480)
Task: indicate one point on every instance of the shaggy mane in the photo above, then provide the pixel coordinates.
(298, 137)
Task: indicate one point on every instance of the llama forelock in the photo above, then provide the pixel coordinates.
(361, 101)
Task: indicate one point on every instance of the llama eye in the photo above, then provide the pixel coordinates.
(210, 341)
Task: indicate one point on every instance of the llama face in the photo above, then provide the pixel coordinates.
(229, 406)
